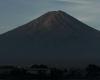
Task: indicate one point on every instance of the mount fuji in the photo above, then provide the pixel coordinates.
(53, 38)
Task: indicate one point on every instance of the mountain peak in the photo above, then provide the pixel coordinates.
(57, 21)
(59, 12)
(48, 21)
(54, 16)
(51, 19)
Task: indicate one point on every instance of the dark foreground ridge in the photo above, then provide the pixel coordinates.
(53, 38)
(91, 72)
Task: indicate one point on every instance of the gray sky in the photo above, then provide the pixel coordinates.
(14, 13)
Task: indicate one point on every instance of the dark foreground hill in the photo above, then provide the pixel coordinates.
(53, 38)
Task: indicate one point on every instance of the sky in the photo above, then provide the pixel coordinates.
(14, 13)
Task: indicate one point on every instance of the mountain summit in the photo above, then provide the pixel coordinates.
(55, 21)
(55, 37)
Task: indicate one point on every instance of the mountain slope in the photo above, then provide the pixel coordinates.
(54, 37)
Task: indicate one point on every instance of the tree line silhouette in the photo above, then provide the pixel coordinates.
(35, 71)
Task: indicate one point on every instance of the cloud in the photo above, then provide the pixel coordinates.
(75, 1)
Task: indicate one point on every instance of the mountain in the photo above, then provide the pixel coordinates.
(53, 38)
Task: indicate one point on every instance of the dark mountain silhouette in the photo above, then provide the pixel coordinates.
(53, 38)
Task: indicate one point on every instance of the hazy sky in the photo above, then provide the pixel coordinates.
(14, 13)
